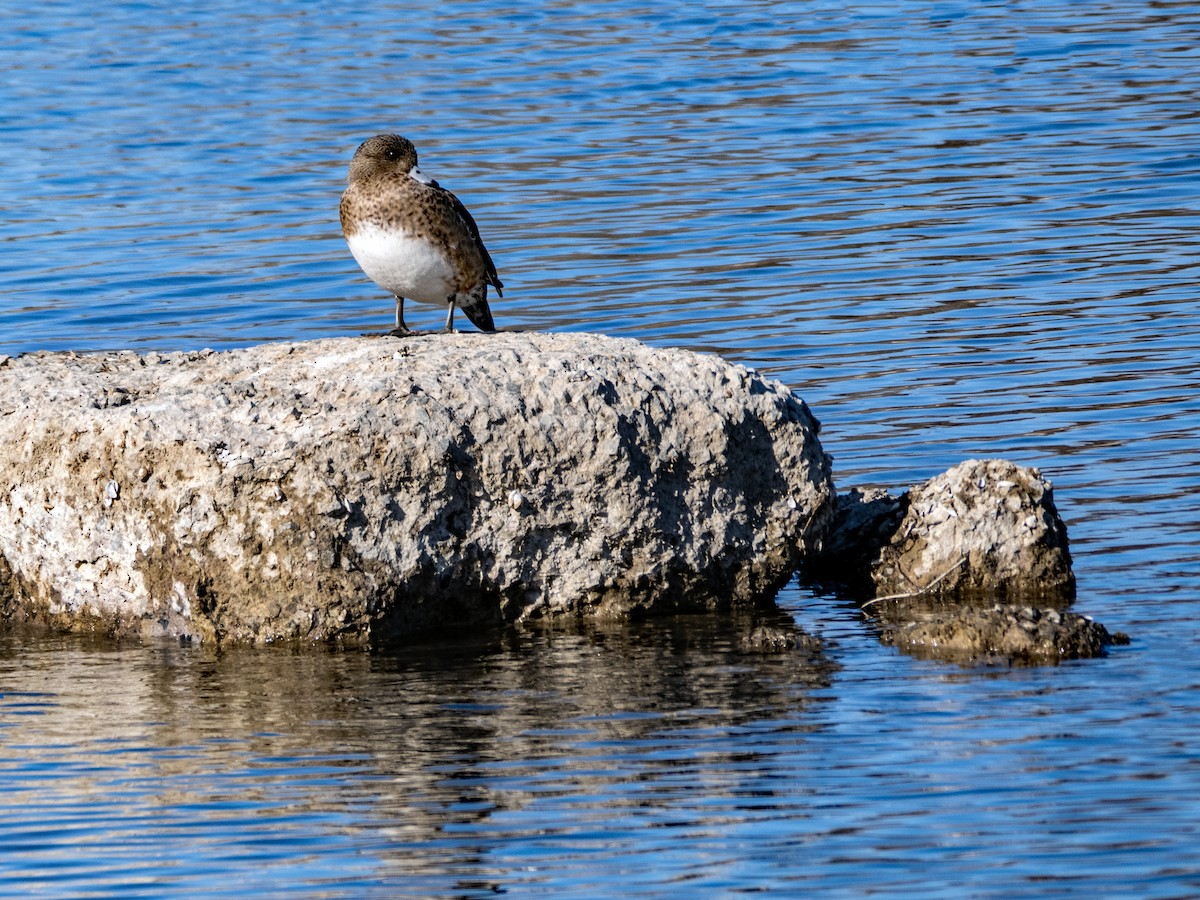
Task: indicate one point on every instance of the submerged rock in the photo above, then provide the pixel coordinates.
(778, 637)
(361, 488)
(1007, 634)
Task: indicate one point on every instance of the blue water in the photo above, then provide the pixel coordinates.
(956, 228)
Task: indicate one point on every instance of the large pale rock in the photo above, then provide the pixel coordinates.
(360, 488)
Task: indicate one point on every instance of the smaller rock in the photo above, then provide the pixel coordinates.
(930, 566)
(984, 529)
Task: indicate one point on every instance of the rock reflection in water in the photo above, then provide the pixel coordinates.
(408, 763)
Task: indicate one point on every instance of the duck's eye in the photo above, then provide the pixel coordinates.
(391, 155)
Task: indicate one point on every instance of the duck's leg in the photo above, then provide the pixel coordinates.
(401, 329)
(449, 329)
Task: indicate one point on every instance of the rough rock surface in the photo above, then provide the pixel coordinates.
(1008, 634)
(984, 529)
(366, 487)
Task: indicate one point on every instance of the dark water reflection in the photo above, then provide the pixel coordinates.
(652, 758)
(400, 770)
(958, 228)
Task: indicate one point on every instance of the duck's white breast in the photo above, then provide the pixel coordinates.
(409, 267)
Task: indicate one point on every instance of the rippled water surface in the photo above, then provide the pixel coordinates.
(957, 228)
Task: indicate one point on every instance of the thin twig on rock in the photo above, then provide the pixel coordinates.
(962, 559)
